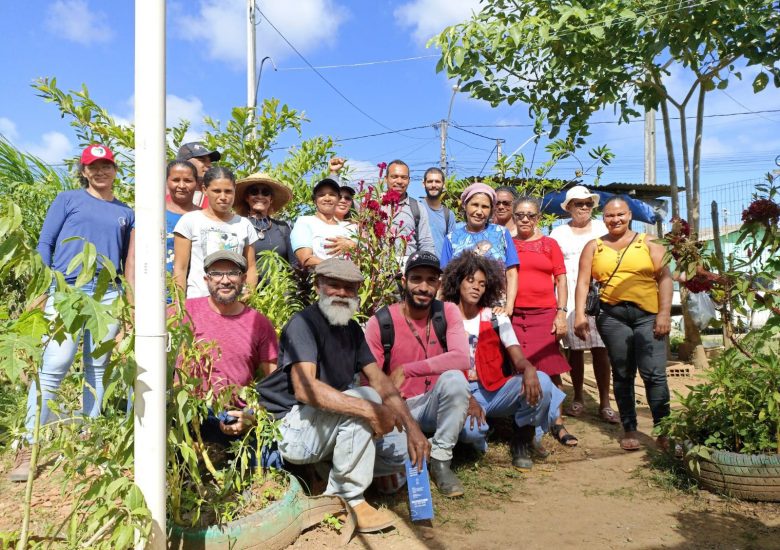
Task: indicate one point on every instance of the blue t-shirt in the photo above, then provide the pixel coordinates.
(106, 224)
(494, 241)
(438, 224)
(171, 218)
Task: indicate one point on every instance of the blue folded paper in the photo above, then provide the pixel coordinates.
(419, 485)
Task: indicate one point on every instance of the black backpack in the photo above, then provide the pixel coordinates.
(414, 205)
(387, 331)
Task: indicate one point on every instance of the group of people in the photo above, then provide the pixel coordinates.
(475, 335)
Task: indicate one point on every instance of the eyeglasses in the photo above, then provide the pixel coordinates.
(585, 204)
(530, 215)
(503, 203)
(218, 275)
(259, 190)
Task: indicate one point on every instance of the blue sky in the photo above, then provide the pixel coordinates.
(85, 41)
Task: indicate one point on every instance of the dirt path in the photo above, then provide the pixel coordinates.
(593, 496)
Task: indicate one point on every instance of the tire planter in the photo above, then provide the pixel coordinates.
(746, 477)
(274, 527)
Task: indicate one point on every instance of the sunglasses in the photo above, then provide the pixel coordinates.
(529, 215)
(503, 203)
(259, 190)
(585, 204)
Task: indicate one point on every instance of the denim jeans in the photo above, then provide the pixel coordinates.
(58, 358)
(627, 331)
(441, 411)
(311, 435)
(508, 401)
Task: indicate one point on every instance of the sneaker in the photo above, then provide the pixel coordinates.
(21, 468)
(370, 520)
(445, 479)
(521, 448)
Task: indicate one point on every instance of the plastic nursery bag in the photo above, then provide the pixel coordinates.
(419, 485)
(702, 309)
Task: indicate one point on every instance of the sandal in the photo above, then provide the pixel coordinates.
(609, 415)
(630, 444)
(567, 439)
(575, 410)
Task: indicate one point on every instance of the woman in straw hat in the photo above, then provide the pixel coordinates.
(572, 238)
(258, 196)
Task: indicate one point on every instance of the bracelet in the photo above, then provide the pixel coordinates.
(563, 309)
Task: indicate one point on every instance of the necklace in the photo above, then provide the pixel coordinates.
(261, 225)
(417, 335)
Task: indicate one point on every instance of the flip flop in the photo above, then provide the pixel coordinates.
(575, 410)
(630, 444)
(609, 415)
(565, 440)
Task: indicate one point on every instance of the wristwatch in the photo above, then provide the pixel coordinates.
(563, 309)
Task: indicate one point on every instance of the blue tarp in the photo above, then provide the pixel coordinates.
(641, 211)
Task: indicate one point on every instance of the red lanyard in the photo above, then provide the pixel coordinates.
(416, 334)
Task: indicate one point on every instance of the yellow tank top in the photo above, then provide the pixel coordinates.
(634, 281)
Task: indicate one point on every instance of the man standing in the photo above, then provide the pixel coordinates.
(323, 416)
(426, 358)
(201, 157)
(245, 338)
(409, 218)
(440, 218)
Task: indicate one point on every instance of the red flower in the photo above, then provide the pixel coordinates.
(680, 227)
(381, 166)
(380, 229)
(391, 197)
(699, 283)
(361, 184)
(762, 211)
(371, 204)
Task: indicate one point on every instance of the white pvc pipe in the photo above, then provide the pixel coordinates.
(150, 339)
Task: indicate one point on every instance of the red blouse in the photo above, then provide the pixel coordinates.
(541, 261)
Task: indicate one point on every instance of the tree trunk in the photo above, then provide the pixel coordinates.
(670, 160)
(687, 172)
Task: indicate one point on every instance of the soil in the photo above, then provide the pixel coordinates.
(591, 496)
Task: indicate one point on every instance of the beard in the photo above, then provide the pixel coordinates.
(434, 194)
(225, 299)
(411, 301)
(338, 311)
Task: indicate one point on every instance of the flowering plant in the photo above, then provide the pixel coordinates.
(380, 247)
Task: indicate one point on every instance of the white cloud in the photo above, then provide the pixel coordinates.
(430, 17)
(8, 129)
(177, 108)
(220, 25)
(362, 170)
(74, 20)
(53, 147)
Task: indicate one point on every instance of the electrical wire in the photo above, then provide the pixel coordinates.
(364, 64)
(490, 155)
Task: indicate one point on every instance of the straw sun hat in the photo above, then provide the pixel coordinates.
(280, 193)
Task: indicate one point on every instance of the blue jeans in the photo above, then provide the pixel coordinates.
(507, 401)
(58, 358)
(627, 331)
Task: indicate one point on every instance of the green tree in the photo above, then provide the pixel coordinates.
(567, 59)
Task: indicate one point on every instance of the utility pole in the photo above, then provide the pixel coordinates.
(650, 147)
(443, 152)
(498, 150)
(251, 61)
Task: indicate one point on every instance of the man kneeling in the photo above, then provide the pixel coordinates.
(475, 283)
(324, 416)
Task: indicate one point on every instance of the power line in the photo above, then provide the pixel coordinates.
(462, 129)
(364, 64)
(345, 98)
(490, 155)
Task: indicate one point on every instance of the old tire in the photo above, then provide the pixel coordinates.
(742, 476)
(275, 527)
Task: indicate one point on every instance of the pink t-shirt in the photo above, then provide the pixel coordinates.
(421, 372)
(243, 341)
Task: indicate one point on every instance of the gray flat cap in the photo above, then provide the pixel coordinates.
(338, 268)
(227, 255)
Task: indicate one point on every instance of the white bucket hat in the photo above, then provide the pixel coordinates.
(580, 192)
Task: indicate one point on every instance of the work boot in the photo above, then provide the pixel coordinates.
(21, 468)
(445, 479)
(538, 450)
(369, 519)
(521, 448)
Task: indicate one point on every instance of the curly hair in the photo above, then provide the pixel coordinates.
(465, 266)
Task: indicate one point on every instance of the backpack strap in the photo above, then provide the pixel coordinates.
(387, 335)
(439, 322)
(446, 212)
(415, 207)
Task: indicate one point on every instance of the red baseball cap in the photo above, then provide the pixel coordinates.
(96, 152)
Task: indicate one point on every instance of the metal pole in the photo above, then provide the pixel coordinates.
(251, 60)
(650, 147)
(498, 150)
(443, 150)
(150, 339)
